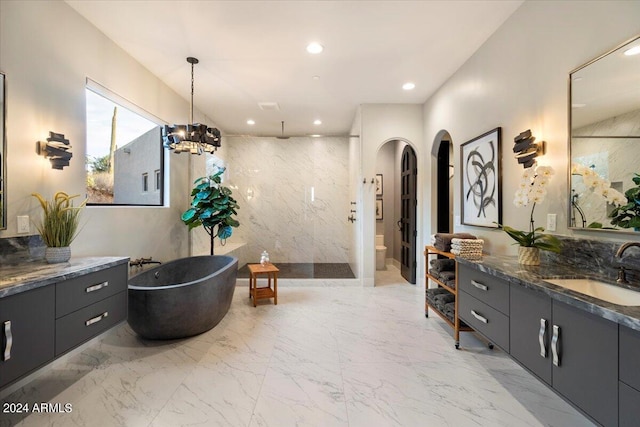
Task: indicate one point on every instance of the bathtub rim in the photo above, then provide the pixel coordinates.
(232, 260)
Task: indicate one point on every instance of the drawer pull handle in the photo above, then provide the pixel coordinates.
(96, 319)
(554, 345)
(479, 317)
(97, 287)
(480, 285)
(9, 338)
(542, 338)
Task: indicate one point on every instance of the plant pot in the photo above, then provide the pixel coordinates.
(528, 255)
(57, 255)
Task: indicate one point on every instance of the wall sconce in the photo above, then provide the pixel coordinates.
(55, 149)
(526, 149)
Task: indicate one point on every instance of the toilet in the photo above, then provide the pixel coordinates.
(381, 252)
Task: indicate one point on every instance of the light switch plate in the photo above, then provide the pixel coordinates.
(551, 222)
(23, 223)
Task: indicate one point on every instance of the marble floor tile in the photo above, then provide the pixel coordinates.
(324, 356)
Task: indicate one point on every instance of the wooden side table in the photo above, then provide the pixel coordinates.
(271, 271)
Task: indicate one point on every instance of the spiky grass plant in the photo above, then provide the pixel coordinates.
(59, 225)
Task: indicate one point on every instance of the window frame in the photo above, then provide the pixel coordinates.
(164, 168)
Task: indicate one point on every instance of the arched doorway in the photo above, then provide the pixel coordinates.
(444, 184)
(397, 213)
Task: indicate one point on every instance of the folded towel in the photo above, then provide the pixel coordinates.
(450, 308)
(435, 273)
(447, 275)
(451, 283)
(443, 240)
(445, 298)
(443, 265)
(436, 291)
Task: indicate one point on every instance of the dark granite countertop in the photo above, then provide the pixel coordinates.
(533, 277)
(31, 275)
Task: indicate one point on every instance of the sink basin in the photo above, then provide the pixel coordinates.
(600, 290)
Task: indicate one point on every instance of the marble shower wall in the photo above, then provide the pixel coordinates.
(293, 196)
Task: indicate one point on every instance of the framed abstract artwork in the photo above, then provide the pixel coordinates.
(481, 180)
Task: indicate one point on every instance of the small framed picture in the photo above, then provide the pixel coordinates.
(379, 184)
(379, 209)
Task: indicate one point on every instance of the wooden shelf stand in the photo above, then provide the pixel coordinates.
(456, 324)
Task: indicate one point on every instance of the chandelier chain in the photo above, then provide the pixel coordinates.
(191, 118)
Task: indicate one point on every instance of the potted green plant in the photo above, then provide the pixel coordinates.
(59, 225)
(532, 189)
(628, 215)
(212, 207)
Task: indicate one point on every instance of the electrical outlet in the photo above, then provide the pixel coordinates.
(23, 223)
(551, 222)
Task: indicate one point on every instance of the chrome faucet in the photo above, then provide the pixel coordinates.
(622, 277)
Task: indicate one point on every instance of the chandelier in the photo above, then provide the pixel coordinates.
(194, 138)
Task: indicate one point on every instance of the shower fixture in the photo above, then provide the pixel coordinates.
(282, 134)
(194, 138)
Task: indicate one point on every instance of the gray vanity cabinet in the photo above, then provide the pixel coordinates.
(580, 351)
(588, 362)
(27, 321)
(41, 324)
(483, 303)
(629, 377)
(530, 330)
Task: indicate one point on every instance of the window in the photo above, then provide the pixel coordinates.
(123, 143)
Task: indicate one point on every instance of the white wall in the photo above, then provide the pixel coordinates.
(47, 51)
(386, 165)
(355, 195)
(381, 123)
(518, 80)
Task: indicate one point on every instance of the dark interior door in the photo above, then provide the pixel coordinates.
(443, 196)
(408, 204)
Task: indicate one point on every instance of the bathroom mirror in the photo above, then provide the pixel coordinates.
(3, 150)
(604, 132)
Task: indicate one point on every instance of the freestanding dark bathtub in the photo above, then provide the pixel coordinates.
(183, 297)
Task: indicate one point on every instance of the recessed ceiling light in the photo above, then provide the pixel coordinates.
(317, 122)
(633, 51)
(316, 77)
(409, 86)
(251, 122)
(315, 135)
(577, 79)
(315, 48)
(578, 105)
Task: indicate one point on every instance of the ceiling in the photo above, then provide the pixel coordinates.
(255, 51)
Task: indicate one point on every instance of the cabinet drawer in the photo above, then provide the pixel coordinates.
(629, 356)
(82, 325)
(488, 289)
(629, 404)
(79, 292)
(484, 319)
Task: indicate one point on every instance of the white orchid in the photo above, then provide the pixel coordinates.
(533, 184)
(598, 184)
